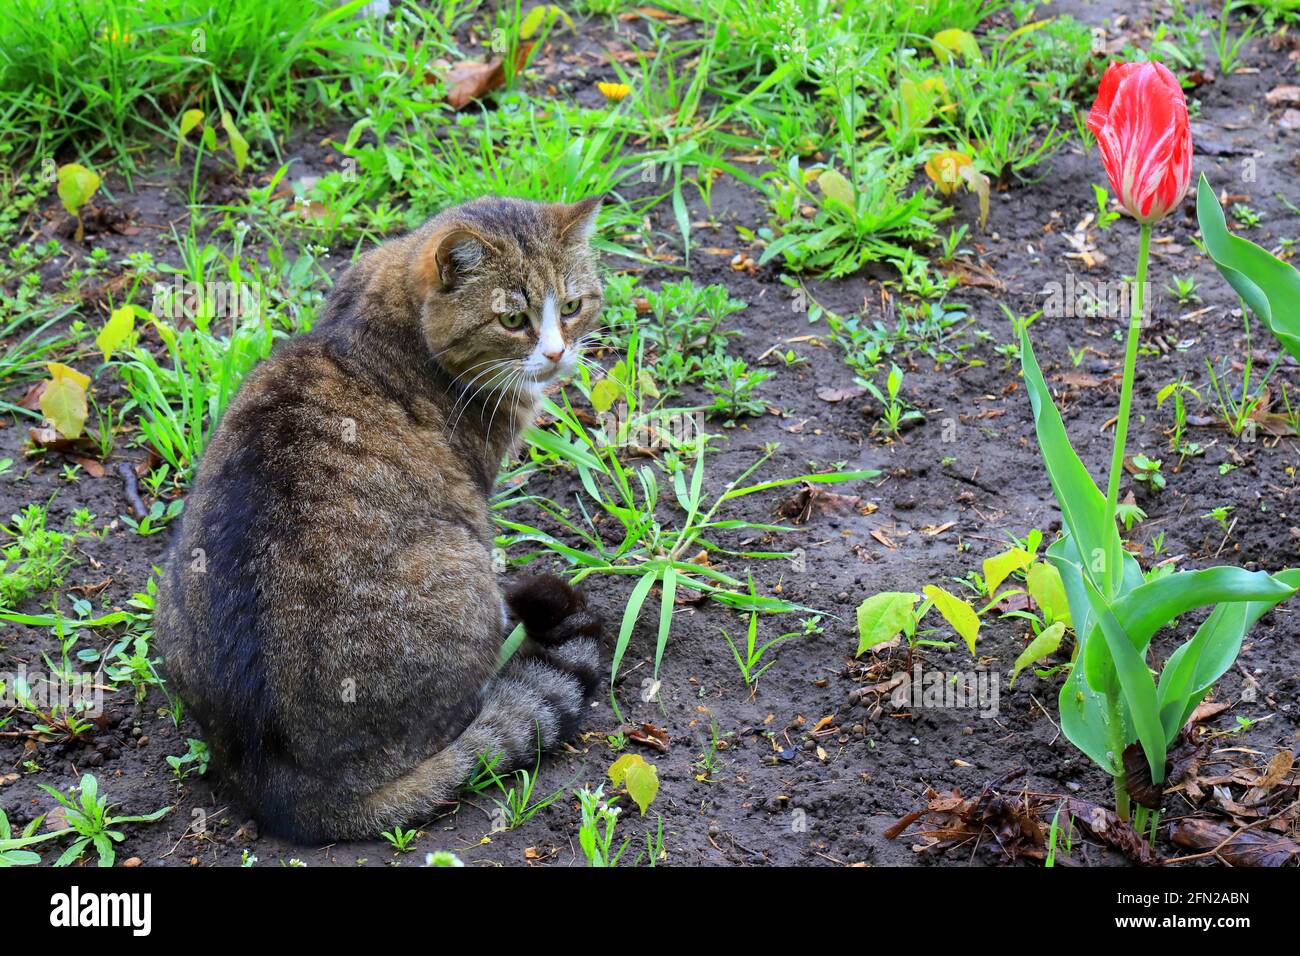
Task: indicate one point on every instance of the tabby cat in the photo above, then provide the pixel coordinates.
(330, 612)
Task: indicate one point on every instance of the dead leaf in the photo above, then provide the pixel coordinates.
(648, 735)
(89, 465)
(1106, 826)
(1283, 96)
(1140, 786)
(884, 539)
(934, 530)
(471, 80)
(49, 439)
(842, 394)
(32, 400)
(1237, 847)
(1075, 379)
(810, 499)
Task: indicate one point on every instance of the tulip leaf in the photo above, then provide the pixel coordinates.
(1137, 684)
(1194, 667)
(1083, 507)
(1269, 286)
(1144, 610)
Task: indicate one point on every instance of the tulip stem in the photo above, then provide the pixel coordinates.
(1113, 563)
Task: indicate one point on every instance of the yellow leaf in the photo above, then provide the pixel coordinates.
(884, 616)
(63, 402)
(76, 185)
(1048, 591)
(1001, 566)
(1042, 646)
(835, 186)
(189, 120)
(947, 43)
(117, 331)
(604, 394)
(956, 612)
(541, 15)
(945, 169)
(238, 145)
(640, 777)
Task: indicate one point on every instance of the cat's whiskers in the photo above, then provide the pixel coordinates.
(465, 372)
(596, 337)
(515, 377)
(494, 370)
(503, 366)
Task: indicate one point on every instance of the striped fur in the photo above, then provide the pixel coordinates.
(329, 611)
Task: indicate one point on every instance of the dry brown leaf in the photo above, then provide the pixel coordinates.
(1237, 847)
(842, 394)
(471, 80)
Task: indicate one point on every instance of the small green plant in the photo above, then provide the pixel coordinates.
(401, 840)
(89, 819)
(194, 760)
(596, 832)
(749, 661)
(1184, 290)
(643, 533)
(1178, 392)
(884, 616)
(159, 517)
(733, 383)
(36, 559)
(1219, 516)
(1054, 837)
(516, 805)
(1106, 216)
(896, 412)
(1227, 47)
(1245, 215)
(440, 858)
(1147, 471)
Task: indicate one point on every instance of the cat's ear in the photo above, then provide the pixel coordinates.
(450, 254)
(578, 220)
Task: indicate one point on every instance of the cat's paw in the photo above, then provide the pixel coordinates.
(551, 611)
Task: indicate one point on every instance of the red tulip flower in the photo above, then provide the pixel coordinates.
(1140, 121)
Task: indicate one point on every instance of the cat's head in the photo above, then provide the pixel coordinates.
(510, 289)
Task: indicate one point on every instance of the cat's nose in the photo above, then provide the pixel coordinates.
(554, 356)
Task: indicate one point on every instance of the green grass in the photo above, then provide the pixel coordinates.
(661, 524)
(104, 76)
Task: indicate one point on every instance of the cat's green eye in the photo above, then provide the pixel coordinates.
(570, 308)
(514, 321)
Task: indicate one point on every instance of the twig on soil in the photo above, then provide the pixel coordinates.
(1049, 717)
(138, 510)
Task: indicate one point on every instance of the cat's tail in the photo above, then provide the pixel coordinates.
(534, 703)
